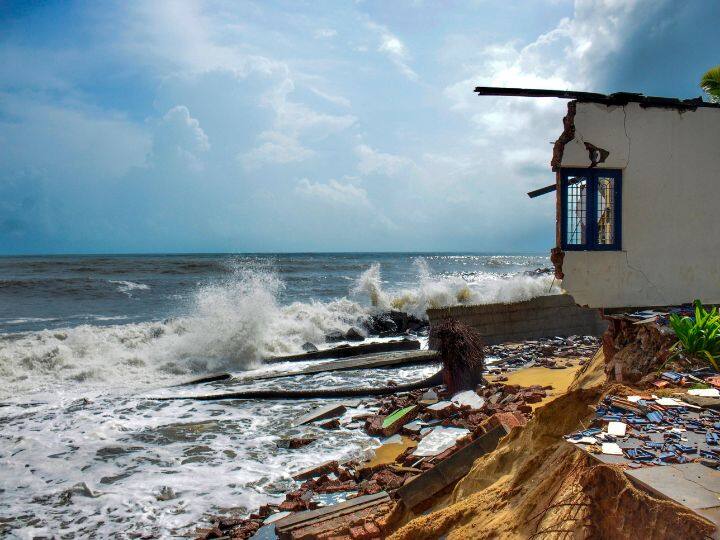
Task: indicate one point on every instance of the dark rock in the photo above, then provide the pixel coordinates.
(393, 323)
(330, 424)
(334, 335)
(309, 347)
(354, 334)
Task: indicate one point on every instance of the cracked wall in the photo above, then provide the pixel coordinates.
(670, 203)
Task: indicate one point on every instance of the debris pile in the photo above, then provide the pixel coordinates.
(648, 430)
(424, 428)
(545, 352)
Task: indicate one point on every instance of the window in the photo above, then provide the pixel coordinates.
(590, 218)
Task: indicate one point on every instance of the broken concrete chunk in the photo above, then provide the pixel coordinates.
(295, 442)
(441, 409)
(508, 420)
(321, 413)
(469, 398)
(317, 470)
(393, 422)
(611, 449)
(413, 428)
(430, 397)
(330, 424)
(439, 440)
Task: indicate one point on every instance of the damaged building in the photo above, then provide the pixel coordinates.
(637, 196)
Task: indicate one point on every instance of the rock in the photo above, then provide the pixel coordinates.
(334, 335)
(295, 442)
(353, 334)
(309, 347)
(317, 470)
(330, 424)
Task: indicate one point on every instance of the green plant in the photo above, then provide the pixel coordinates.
(699, 336)
(710, 83)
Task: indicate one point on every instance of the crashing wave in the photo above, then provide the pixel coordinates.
(232, 325)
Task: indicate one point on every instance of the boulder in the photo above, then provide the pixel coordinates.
(309, 347)
(353, 334)
(334, 335)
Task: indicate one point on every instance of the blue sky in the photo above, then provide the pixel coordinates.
(309, 126)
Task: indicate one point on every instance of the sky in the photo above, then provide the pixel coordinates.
(229, 126)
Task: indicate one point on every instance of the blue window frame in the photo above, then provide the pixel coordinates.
(591, 209)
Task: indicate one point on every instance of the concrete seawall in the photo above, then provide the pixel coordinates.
(545, 316)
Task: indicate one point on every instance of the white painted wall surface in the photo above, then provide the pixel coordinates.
(670, 206)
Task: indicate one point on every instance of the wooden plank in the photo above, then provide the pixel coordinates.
(346, 351)
(448, 471)
(303, 519)
(371, 361)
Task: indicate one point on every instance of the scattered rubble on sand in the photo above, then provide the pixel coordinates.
(553, 353)
(422, 430)
(430, 437)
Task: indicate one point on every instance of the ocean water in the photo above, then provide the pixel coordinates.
(85, 340)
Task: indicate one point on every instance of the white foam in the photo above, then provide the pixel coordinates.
(438, 291)
(231, 325)
(126, 287)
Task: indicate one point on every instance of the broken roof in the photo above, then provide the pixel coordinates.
(618, 98)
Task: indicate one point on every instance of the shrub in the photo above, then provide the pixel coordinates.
(699, 336)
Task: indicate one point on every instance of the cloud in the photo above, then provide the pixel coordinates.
(325, 33)
(374, 162)
(180, 139)
(293, 122)
(334, 193)
(276, 148)
(392, 47)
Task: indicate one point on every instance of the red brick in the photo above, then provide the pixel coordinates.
(372, 529)
(506, 419)
(358, 533)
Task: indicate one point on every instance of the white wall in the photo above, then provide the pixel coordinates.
(670, 206)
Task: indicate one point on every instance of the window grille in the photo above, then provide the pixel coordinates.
(590, 209)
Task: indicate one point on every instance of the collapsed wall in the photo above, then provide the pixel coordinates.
(544, 316)
(635, 351)
(535, 485)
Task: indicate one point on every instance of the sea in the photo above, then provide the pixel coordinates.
(87, 341)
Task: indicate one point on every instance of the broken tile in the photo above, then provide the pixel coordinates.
(611, 449)
(617, 428)
(470, 399)
(439, 440)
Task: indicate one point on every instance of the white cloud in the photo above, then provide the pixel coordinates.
(180, 139)
(325, 33)
(392, 47)
(276, 148)
(374, 162)
(293, 121)
(334, 193)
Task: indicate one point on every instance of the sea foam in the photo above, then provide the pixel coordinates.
(231, 325)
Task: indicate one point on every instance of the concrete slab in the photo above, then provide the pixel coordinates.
(690, 484)
(370, 361)
(448, 471)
